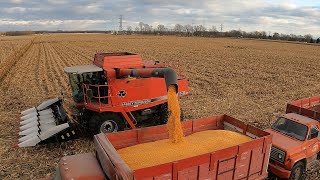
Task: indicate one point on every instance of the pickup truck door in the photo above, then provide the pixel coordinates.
(313, 142)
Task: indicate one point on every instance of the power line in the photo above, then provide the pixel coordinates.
(120, 23)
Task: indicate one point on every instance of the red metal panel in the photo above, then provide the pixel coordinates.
(127, 61)
(206, 123)
(154, 171)
(266, 150)
(307, 112)
(188, 173)
(123, 139)
(167, 176)
(256, 131)
(204, 172)
(187, 127)
(292, 109)
(256, 161)
(225, 176)
(305, 102)
(152, 134)
(245, 160)
(236, 122)
(223, 162)
(185, 167)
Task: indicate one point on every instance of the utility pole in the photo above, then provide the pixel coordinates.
(120, 23)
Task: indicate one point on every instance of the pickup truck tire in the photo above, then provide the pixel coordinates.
(106, 123)
(298, 171)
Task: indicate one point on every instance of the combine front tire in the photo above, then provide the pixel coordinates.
(106, 123)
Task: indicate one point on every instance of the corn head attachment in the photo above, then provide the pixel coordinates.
(47, 122)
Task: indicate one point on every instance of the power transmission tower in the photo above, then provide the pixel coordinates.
(120, 23)
(221, 27)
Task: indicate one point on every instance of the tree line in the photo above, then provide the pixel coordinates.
(202, 31)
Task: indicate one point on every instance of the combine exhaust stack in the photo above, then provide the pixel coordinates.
(47, 122)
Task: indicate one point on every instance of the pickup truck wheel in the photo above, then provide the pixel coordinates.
(106, 123)
(297, 172)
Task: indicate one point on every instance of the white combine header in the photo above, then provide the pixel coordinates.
(46, 122)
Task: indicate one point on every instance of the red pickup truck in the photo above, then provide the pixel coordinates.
(295, 143)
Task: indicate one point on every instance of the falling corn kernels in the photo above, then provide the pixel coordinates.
(174, 122)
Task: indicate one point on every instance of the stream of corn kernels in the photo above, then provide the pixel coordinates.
(178, 147)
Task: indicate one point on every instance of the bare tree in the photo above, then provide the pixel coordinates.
(276, 36)
(161, 28)
(179, 28)
(129, 30)
(136, 29)
(213, 29)
(188, 28)
(200, 28)
(147, 27)
(308, 37)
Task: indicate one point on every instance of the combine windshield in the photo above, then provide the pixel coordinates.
(291, 128)
(76, 81)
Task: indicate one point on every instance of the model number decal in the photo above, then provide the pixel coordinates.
(147, 101)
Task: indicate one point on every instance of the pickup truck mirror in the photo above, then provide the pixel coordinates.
(314, 134)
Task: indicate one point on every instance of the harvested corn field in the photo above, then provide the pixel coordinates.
(146, 155)
(248, 79)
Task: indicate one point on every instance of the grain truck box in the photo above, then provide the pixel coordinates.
(244, 161)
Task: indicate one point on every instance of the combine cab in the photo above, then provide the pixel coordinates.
(118, 91)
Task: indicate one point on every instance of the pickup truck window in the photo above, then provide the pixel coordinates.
(313, 132)
(291, 128)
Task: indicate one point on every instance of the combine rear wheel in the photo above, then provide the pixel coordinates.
(106, 123)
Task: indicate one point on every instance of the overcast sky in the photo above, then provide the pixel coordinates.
(287, 16)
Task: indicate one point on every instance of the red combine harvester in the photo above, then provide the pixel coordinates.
(119, 91)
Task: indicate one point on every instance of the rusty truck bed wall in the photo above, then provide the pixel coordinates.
(309, 107)
(248, 160)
